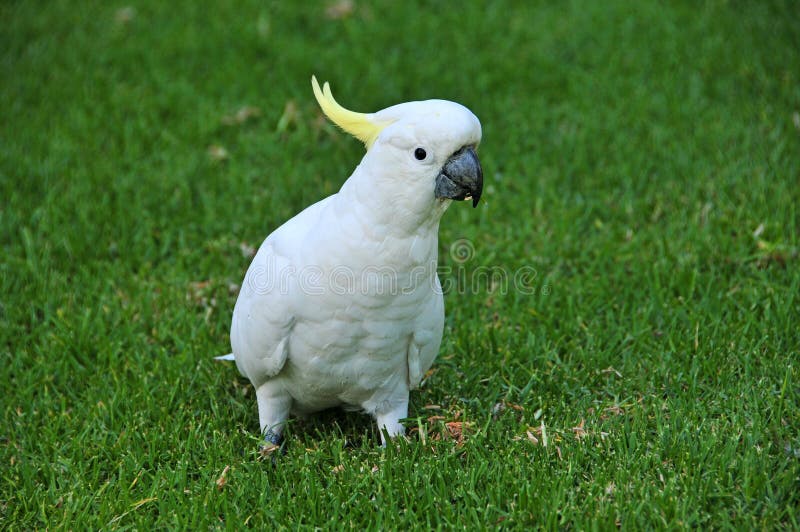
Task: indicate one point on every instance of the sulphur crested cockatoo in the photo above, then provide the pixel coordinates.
(342, 305)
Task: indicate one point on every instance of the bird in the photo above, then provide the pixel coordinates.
(342, 305)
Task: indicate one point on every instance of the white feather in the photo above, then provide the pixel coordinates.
(314, 326)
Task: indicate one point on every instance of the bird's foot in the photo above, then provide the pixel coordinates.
(273, 444)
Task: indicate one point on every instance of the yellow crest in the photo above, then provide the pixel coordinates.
(361, 126)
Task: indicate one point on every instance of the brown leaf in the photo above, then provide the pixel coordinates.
(579, 431)
(340, 10)
(199, 285)
(247, 250)
(222, 480)
(124, 15)
(338, 469)
(201, 294)
(244, 114)
(267, 449)
(457, 429)
(536, 430)
(217, 153)
(610, 369)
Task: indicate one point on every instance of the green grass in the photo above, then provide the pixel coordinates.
(644, 158)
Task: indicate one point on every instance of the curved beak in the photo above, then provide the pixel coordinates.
(461, 177)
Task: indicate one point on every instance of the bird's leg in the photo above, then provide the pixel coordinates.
(389, 421)
(274, 404)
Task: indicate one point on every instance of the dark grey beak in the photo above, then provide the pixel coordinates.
(461, 177)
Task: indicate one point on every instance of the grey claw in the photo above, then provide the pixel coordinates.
(273, 438)
(273, 442)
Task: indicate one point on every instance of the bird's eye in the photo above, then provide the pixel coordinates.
(420, 154)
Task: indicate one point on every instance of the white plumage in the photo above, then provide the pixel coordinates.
(341, 305)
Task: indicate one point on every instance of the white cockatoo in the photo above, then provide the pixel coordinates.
(342, 305)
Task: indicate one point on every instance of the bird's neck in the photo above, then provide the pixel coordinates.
(395, 211)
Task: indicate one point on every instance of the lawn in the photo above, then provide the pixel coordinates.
(642, 166)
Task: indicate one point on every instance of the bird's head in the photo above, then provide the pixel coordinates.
(424, 150)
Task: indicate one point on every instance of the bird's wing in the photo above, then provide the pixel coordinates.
(265, 310)
(262, 318)
(427, 337)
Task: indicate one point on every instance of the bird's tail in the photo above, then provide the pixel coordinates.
(229, 356)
